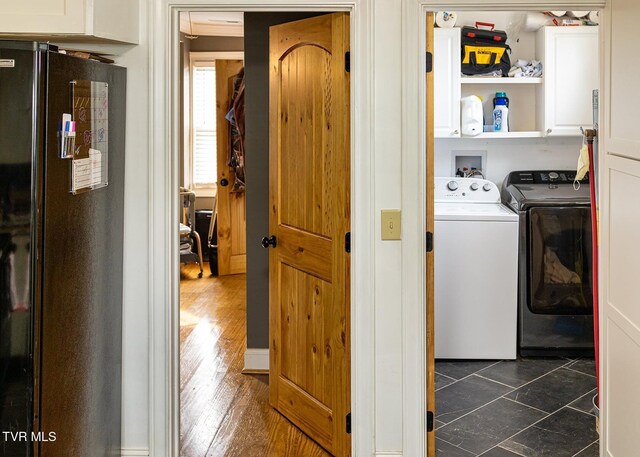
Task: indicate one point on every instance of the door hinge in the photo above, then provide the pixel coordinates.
(347, 242)
(429, 241)
(348, 423)
(347, 61)
(429, 62)
(429, 421)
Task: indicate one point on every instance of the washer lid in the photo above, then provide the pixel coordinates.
(474, 212)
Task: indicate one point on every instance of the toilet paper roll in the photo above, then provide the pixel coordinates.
(594, 16)
(578, 14)
(446, 19)
(535, 21)
(557, 13)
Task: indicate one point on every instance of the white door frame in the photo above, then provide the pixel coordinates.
(414, 169)
(163, 232)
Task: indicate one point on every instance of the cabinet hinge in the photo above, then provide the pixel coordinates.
(347, 61)
(429, 241)
(347, 242)
(429, 421)
(429, 62)
(349, 423)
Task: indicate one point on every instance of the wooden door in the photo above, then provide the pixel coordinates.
(619, 248)
(430, 325)
(232, 224)
(309, 215)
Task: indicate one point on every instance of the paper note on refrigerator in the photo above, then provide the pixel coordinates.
(81, 174)
(87, 173)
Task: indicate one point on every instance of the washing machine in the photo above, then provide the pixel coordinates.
(476, 271)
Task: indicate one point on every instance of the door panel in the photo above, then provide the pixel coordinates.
(621, 342)
(232, 225)
(309, 215)
(430, 224)
(620, 263)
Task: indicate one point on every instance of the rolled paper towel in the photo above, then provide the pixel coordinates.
(446, 19)
(557, 13)
(578, 14)
(594, 16)
(535, 21)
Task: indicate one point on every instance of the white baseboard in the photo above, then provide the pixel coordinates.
(256, 361)
(134, 452)
(388, 454)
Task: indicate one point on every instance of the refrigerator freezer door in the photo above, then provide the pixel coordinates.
(82, 282)
(20, 136)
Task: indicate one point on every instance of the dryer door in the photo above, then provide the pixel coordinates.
(560, 259)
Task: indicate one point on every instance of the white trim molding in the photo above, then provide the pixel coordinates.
(134, 452)
(256, 361)
(163, 183)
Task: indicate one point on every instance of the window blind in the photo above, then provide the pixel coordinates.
(204, 158)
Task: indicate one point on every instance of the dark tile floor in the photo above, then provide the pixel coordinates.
(533, 407)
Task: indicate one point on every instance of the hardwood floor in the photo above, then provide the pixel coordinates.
(224, 412)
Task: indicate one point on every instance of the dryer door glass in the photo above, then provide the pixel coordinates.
(560, 259)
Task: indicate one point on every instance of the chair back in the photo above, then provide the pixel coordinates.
(188, 201)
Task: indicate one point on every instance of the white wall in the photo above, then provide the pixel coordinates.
(388, 255)
(135, 397)
(506, 155)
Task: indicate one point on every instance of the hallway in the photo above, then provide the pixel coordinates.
(224, 412)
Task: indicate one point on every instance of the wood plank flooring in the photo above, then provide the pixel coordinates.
(224, 412)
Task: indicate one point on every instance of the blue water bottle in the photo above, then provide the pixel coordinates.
(501, 113)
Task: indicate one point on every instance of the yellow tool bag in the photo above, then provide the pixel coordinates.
(485, 52)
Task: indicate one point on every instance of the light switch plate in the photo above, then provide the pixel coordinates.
(390, 226)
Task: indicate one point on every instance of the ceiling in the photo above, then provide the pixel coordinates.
(212, 24)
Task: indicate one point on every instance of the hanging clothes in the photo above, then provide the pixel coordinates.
(235, 116)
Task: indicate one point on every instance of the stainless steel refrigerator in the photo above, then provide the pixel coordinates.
(61, 256)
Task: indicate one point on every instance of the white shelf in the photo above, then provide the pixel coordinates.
(490, 135)
(499, 81)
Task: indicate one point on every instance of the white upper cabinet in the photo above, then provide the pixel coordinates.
(570, 56)
(107, 20)
(557, 104)
(446, 70)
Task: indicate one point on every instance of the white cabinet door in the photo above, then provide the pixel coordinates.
(109, 20)
(571, 72)
(619, 221)
(446, 68)
(42, 16)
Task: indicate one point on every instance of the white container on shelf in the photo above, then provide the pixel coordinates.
(471, 115)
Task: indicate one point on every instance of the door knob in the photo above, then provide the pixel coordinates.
(224, 182)
(270, 241)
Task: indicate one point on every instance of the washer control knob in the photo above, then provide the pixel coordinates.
(486, 187)
(553, 175)
(474, 186)
(452, 185)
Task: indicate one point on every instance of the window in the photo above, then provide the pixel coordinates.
(203, 126)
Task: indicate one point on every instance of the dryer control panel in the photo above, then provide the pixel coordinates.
(471, 190)
(545, 177)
